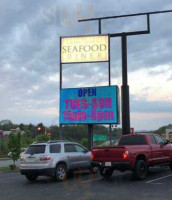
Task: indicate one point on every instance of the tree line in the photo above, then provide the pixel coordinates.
(31, 133)
(76, 133)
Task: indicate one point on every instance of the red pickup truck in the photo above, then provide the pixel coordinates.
(134, 152)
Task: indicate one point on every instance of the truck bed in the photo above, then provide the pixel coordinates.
(108, 154)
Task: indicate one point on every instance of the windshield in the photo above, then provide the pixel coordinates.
(35, 149)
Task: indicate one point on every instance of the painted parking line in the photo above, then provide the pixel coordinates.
(158, 179)
(91, 180)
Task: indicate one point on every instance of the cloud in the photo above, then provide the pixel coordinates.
(170, 79)
(144, 106)
(29, 56)
(150, 121)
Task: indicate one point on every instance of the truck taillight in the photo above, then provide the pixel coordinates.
(45, 158)
(125, 154)
(92, 156)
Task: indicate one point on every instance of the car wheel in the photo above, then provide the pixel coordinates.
(140, 171)
(61, 172)
(106, 172)
(31, 177)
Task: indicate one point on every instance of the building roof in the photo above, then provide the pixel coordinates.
(6, 132)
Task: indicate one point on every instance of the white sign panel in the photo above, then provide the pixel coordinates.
(85, 49)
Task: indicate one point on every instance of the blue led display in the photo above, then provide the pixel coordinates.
(92, 105)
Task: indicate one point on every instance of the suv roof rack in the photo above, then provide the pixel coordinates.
(55, 141)
(37, 142)
(50, 141)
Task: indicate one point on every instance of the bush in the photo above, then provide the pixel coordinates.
(14, 146)
(84, 142)
(42, 138)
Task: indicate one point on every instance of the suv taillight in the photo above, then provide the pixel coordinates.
(92, 156)
(45, 158)
(22, 158)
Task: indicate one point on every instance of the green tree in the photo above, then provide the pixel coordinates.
(7, 125)
(42, 138)
(31, 127)
(55, 132)
(26, 139)
(162, 129)
(84, 142)
(5, 141)
(14, 146)
(21, 126)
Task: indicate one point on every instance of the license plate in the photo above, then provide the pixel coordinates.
(108, 164)
(30, 160)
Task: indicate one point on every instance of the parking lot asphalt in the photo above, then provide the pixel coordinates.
(85, 186)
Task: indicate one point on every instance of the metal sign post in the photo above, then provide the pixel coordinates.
(90, 136)
(60, 86)
(125, 87)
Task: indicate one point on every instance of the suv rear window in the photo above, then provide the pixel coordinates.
(132, 140)
(35, 149)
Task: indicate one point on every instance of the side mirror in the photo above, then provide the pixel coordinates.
(162, 144)
(167, 141)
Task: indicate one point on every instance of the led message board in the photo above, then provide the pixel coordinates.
(85, 49)
(92, 105)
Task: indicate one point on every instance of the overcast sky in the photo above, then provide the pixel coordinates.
(29, 58)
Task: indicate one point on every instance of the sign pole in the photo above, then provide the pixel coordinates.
(109, 76)
(60, 85)
(125, 89)
(90, 136)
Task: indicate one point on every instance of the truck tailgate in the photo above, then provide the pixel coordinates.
(108, 154)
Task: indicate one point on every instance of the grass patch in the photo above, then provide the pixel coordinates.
(8, 169)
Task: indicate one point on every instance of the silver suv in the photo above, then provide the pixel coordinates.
(54, 158)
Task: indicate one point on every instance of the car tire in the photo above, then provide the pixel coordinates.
(31, 178)
(61, 172)
(141, 169)
(106, 172)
